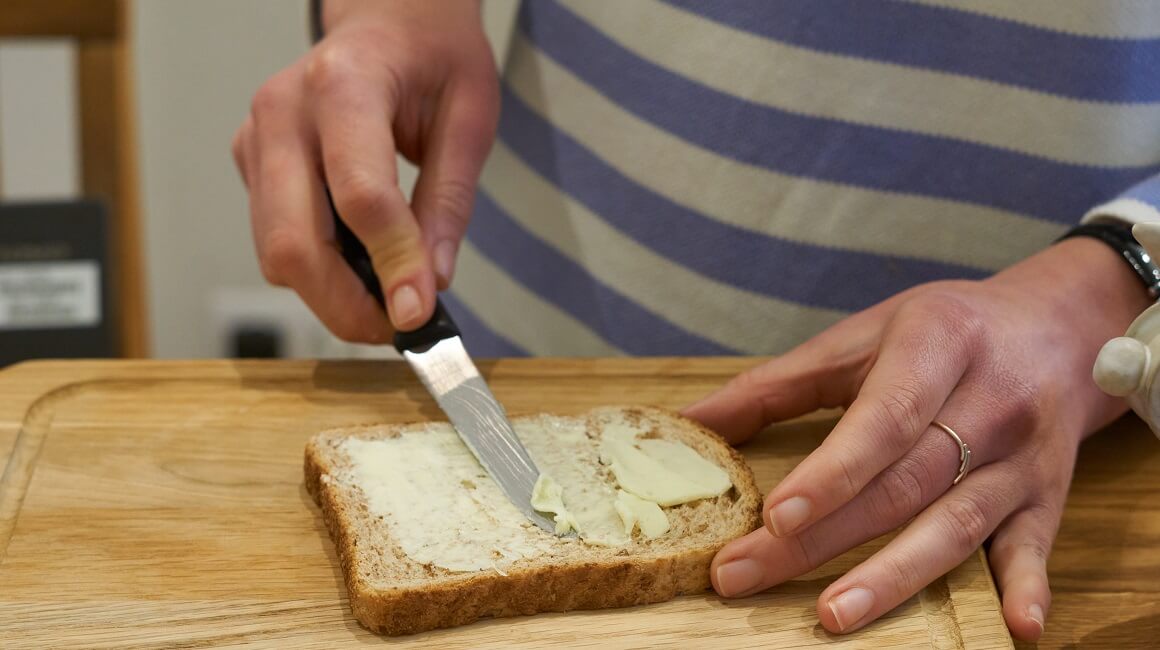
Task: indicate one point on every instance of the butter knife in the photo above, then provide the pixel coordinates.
(435, 352)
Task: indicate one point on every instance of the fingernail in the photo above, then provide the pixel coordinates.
(445, 259)
(789, 515)
(405, 306)
(851, 606)
(1035, 613)
(738, 577)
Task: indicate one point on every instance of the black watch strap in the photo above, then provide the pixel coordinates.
(1119, 237)
(315, 20)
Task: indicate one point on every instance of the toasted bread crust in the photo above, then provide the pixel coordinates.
(617, 581)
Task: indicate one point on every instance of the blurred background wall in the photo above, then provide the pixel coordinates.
(195, 67)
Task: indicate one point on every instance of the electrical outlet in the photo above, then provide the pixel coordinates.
(268, 309)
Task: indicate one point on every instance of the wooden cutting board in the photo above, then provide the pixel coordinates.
(148, 504)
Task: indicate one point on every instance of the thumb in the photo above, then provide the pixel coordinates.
(782, 388)
(460, 139)
(824, 372)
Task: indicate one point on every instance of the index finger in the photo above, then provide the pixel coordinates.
(353, 111)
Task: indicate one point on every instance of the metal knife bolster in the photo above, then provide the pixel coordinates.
(437, 356)
(446, 370)
(452, 379)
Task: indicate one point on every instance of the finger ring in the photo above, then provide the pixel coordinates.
(964, 451)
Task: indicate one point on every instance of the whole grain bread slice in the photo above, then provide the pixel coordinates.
(392, 594)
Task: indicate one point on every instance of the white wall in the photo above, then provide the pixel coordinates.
(38, 133)
(197, 65)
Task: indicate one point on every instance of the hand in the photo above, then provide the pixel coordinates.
(416, 77)
(1005, 362)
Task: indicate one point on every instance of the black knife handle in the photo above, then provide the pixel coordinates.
(356, 255)
(438, 327)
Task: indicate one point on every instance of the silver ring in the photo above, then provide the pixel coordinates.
(964, 451)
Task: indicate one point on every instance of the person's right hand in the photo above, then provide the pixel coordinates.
(409, 76)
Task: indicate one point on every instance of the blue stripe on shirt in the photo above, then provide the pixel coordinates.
(826, 149)
(479, 339)
(803, 273)
(954, 41)
(1147, 192)
(567, 285)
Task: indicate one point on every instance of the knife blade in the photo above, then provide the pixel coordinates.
(436, 354)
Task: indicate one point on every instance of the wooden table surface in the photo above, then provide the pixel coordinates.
(1105, 569)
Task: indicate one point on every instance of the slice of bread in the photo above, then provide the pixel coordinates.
(391, 593)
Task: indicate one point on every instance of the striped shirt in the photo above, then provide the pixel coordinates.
(684, 177)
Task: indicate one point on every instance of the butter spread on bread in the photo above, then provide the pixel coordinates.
(425, 539)
(444, 509)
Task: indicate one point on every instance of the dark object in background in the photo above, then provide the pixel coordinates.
(256, 342)
(55, 299)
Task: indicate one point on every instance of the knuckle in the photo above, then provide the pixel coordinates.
(1027, 409)
(953, 315)
(1018, 400)
(751, 381)
(899, 416)
(396, 257)
(848, 475)
(757, 385)
(453, 199)
(904, 486)
(331, 63)
(281, 256)
(271, 97)
(1008, 548)
(341, 63)
(361, 199)
(1033, 540)
(903, 570)
(966, 524)
(803, 553)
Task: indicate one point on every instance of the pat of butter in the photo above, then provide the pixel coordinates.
(548, 496)
(664, 472)
(635, 511)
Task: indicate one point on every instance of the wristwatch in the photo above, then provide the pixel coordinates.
(315, 20)
(1119, 237)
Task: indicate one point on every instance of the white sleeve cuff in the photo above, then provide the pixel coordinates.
(1122, 210)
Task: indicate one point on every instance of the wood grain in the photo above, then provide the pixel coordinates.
(1105, 567)
(151, 504)
(59, 18)
(109, 168)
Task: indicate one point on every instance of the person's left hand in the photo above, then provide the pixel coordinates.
(1006, 362)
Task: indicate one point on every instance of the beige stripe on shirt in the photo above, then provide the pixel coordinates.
(874, 93)
(509, 309)
(727, 315)
(1100, 18)
(754, 198)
